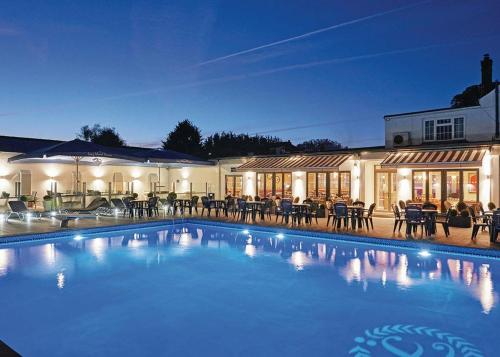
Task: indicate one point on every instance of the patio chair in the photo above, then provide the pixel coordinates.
(286, 212)
(445, 222)
(194, 204)
(206, 204)
(495, 225)
(414, 219)
(368, 216)
(231, 206)
(19, 209)
(244, 211)
(312, 211)
(341, 214)
(477, 223)
(398, 218)
(152, 207)
(331, 213)
(266, 207)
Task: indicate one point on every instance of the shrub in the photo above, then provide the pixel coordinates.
(24, 198)
(150, 194)
(47, 198)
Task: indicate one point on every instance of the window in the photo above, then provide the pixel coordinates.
(311, 185)
(234, 185)
(345, 184)
(444, 129)
(261, 191)
(322, 185)
(274, 184)
(429, 130)
(459, 128)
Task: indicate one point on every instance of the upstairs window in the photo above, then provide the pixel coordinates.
(444, 129)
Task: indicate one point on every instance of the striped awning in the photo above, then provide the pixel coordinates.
(292, 163)
(448, 158)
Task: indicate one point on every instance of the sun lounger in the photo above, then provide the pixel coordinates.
(19, 209)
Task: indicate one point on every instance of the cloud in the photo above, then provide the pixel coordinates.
(311, 33)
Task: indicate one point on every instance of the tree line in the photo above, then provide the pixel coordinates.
(186, 137)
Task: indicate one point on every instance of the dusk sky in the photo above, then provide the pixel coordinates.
(141, 66)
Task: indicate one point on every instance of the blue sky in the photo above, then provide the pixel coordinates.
(141, 66)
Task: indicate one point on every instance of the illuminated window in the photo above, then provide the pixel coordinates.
(234, 185)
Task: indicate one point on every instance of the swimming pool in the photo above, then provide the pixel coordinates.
(193, 289)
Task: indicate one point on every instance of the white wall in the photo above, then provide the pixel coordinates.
(479, 122)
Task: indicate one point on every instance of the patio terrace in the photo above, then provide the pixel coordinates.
(383, 228)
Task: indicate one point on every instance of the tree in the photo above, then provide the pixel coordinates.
(185, 138)
(227, 144)
(319, 145)
(96, 134)
(469, 97)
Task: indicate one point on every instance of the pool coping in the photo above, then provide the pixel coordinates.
(329, 236)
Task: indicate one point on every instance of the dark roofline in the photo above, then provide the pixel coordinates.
(427, 111)
(318, 153)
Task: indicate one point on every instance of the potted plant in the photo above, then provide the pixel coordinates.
(48, 203)
(24, 198)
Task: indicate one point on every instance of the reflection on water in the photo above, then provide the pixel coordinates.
(356, 264)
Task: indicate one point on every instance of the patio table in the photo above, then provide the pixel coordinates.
(256, 206)
(356, 216)
(430, 217)
(219, 204)
(300, 210)
(139, 206)
(183, 203)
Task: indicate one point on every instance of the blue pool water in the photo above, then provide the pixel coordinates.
(192, 290)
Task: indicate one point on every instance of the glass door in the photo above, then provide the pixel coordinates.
(435, 188)
(453, 187)
(385, 190)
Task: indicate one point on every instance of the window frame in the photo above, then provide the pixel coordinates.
(435, 123)
(233, 189)
(328, 181)
(272, 190)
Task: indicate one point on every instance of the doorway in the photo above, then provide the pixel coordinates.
(385, 190)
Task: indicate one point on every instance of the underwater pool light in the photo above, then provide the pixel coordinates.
(280, 236)
(245, 231)
(78, 237)
(424, 253)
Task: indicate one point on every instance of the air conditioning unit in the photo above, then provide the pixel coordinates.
(401, 139)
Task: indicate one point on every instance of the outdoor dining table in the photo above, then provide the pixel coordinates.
(183, 203)
(356, 215)
(300, 210)
(139, 206)
(256, 206)
(430, 215)
(218, 205)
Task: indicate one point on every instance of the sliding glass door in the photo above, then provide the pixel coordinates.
(385, 190)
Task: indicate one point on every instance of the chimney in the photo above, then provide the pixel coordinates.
(486, 74)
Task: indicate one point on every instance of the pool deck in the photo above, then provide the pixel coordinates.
(383, 228)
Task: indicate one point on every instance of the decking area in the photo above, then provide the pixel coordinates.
(383, 228)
